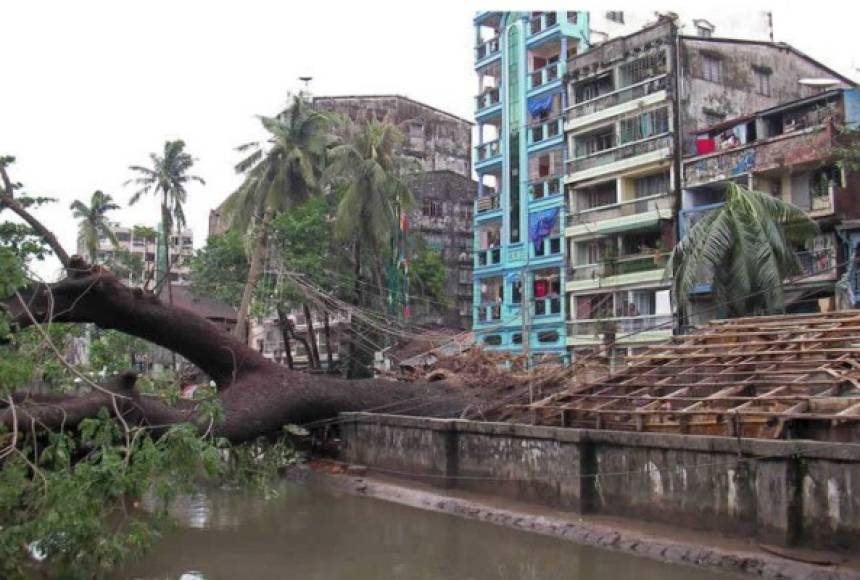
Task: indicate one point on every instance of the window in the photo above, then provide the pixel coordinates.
(598, 141)
(643, 126)
(648, 66)
(703, 28)
(572, 17)
(493, 339)
(517, 292)
(713, 117)
(615, 16)
(762, 81)
(597, 195)
(712, 68)
(654, 184)
(432, 208)
(547, 336)
(704, 32)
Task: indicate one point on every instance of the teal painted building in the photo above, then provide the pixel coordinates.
(519, 159)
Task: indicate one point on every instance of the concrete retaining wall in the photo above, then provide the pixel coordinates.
(783, 492)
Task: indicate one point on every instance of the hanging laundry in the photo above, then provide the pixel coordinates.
(541, 224)
(541, 288)
(540, 105)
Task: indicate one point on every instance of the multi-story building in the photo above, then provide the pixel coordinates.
(787, 151)
(520, 61)
(635, 105)
(142, 244)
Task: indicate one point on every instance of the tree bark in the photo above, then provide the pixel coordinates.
(312, 337)
(240, 331)
(257, 396)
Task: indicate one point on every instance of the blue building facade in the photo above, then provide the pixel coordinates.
(519, 159)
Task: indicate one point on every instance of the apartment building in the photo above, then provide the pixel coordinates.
(142, 244)
(786, 151)
(636, 104)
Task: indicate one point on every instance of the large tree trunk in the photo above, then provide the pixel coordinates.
(312, 337)
(257, 396)
(240, 331)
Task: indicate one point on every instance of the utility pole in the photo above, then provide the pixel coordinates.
(526, 335)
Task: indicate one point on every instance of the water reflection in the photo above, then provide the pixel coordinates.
(311, 534)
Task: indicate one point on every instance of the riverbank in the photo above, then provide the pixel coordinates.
(654, 541)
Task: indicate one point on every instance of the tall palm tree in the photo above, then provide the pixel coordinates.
(370, 170)
(280, 173)
(747, 246)
(167, 177)
(93, 222)
(148, 235)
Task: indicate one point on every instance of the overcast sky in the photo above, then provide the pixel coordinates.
(90, 87)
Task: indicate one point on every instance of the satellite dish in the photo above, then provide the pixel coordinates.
(818, 82)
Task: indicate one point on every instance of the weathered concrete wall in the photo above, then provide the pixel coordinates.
(777, 491)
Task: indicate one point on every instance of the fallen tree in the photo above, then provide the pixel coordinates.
(257, 396)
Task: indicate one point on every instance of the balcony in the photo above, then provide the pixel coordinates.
(616, 98)
(620, 153)
(817, 265)
(549, 247)
(624, 265)
(489, 312)
(627, 329)
(627, 215)
(489, 152)
(543, 76)
(545, 131)
(807, 146)
(489, 98)
(487, 203)
(544, 187)
(488, 257)
(487, 49)
(548, 306)
(541, 23)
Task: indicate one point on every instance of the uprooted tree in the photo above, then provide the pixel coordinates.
(256, 396)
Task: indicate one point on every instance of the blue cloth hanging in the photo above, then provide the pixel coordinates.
(541, 224)
(539, 105)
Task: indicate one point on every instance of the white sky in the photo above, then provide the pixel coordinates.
(89, 87)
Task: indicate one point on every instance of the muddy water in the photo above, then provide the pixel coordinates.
(309, 534)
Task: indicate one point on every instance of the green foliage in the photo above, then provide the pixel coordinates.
(93, 222)
(220, 269)
(113, 351)
(428, 274)
(747, 247)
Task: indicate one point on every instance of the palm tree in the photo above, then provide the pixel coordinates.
(747, 246)
(147, 234)
(93, 221)
(167, 177)
(281, 173)
(369, 168)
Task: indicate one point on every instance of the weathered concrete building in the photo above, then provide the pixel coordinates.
(636, 104)
(786, 151)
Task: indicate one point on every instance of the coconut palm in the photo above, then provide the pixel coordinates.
(369, 169)
(167, 177)
(93, 222)
(747, 246)
(280, 173)
(148, 235)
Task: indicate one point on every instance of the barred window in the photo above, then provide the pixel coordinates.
(646, 125)
(762, 81)
(712, 68)
(653, 184)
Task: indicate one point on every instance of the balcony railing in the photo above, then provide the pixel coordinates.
(619, 266)
(545, 75)
(487, 48)
(817, 262)
(618, 97)
(488, 150)
(547, 306)
(487, 203)
(487, 99)
(489, 312)
(488, 257)
(545, 186)
(620, 325)
(619, 153)
(541, 22)
(545, 131)
(623, 209)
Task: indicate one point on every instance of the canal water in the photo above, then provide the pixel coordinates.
(312, 534)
